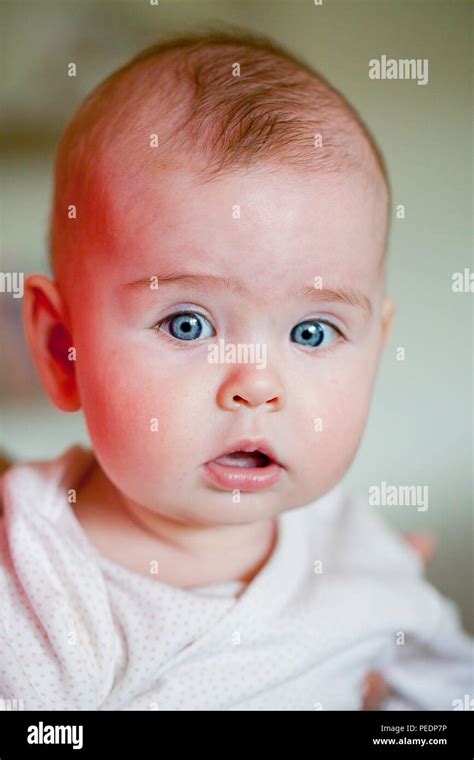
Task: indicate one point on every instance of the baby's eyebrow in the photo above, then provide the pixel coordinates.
(211, 282)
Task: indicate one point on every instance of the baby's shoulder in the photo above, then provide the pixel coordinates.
(3, 537)
(354, 536)
(34, 507)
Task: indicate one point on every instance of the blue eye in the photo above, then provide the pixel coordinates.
(311, 333)
(187, 325)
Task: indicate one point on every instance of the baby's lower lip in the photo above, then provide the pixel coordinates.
(232, 477)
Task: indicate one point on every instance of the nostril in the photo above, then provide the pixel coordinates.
(239, 400)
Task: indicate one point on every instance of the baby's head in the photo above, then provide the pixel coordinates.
(218, 241)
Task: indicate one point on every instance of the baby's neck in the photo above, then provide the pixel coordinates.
(163, 550)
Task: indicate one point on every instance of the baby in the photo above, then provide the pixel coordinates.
(218, 311)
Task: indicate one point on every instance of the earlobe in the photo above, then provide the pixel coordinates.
(388, 315)
(50, 341)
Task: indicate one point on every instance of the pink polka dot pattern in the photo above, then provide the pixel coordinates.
(80, 632)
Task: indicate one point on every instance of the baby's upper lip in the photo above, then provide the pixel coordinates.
(251, 444)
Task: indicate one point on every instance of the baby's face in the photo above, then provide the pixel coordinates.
(160, 406)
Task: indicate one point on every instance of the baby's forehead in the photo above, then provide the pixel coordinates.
(245, 225)
(178, 186)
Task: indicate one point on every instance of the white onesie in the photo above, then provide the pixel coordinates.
(341, 594)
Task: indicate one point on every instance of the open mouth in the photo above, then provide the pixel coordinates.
(244, 459)
(246, 468)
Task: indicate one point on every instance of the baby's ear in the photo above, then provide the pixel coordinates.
(388, 314)
(50, 342)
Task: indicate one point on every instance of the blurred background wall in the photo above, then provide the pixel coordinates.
(420, 428)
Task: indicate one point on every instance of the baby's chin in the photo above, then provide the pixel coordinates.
(208, 505)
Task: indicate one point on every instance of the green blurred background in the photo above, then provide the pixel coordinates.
(420, 428)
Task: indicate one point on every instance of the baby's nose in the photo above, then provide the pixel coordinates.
(251, 388)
